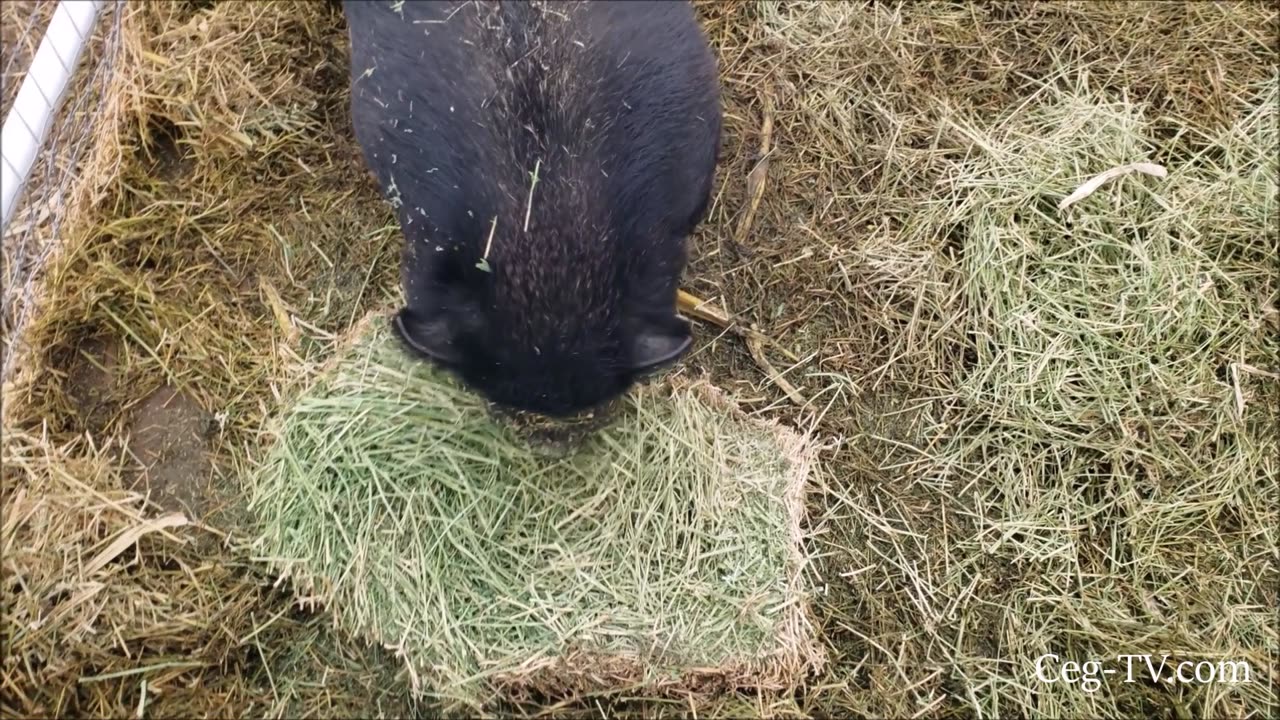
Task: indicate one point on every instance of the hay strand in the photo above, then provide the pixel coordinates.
(1091, 186)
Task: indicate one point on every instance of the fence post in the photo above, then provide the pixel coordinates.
(42, 91)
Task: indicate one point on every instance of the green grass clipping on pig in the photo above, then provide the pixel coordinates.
(663, 552)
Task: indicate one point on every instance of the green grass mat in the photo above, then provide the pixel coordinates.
(664, 553)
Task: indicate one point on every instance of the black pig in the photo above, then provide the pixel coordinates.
(547, 161)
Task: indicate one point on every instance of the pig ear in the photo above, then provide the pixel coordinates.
(656, 345)
(433, 337)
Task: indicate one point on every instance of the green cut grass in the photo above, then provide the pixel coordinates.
(664, 552)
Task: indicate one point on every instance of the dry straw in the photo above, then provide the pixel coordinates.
(664, 554)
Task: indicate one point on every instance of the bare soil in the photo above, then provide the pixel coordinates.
(168, 433)
(169, 439)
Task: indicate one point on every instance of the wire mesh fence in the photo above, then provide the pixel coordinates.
(34, 228)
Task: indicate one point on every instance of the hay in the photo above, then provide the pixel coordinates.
(936, 565)
(109, 614)
(1110, 472)
(664, 555)
(1110, 450)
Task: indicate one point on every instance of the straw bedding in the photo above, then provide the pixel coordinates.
(663, 553)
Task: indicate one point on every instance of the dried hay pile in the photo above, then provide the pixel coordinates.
(662, 555)
(1119, 439)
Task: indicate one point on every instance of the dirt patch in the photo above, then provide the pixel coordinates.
(169, 159)
(169, 439)
(92, 381)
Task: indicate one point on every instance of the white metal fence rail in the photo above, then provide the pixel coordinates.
(47, 126)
